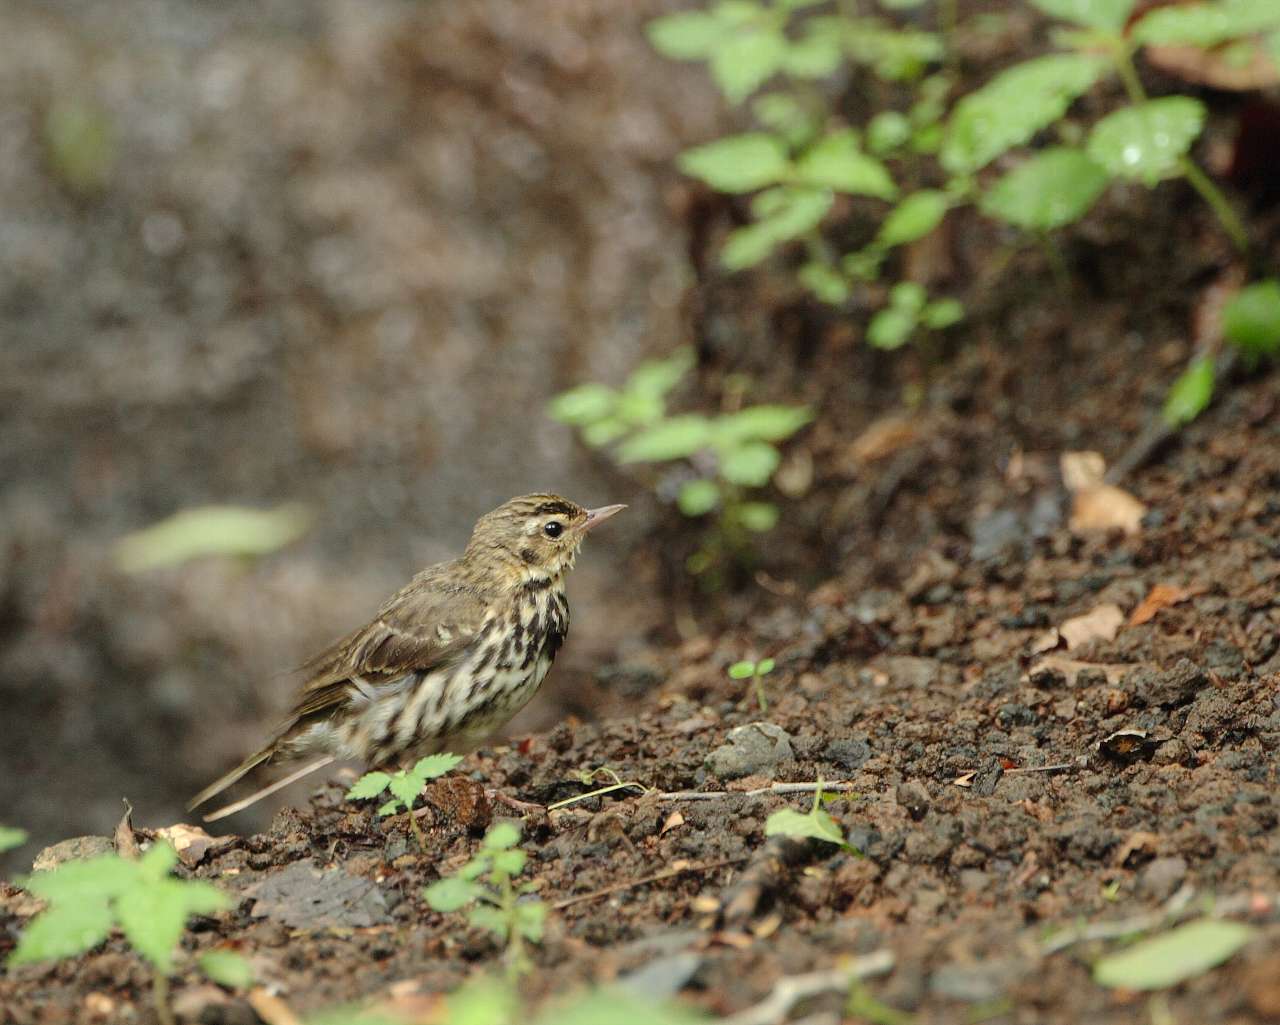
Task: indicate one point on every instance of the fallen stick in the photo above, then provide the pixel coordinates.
(630, 884)
(774, 789)
(792, 989)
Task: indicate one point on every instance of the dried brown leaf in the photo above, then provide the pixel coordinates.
(1099, 624)
(1162, 596)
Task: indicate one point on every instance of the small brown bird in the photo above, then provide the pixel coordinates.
(447, 660)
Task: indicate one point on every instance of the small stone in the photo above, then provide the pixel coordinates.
(848, 753)
(914, 798)
(1176, 686)
(977, 983)
(758, 747)
(1011, 714)
(1159, 878)
(78, 848)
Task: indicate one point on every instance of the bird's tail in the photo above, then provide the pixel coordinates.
(222, 782)
(258, 795)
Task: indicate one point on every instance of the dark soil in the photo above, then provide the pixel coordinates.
(1002, 790)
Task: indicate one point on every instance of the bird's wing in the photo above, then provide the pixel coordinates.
(424, 626)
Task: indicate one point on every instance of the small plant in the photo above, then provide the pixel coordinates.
(487, 884)
(1251, 324)
(754, 671)
(405, 787)
(11, 838)
(816, 823)
(715, 462)
(87, 899)
(936, 153)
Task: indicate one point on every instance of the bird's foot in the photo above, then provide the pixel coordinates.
(523, 807)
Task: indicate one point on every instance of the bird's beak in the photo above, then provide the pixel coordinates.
(595, 517)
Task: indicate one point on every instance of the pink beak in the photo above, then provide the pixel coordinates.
(595, 517)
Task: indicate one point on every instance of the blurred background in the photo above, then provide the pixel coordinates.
(334, 254)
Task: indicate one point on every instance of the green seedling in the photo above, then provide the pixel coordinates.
(714, 463)
(908, 311)
(486, 885)
(226, 968)
(816, 823)
(756, 671)
(405, 788)
(614, 782)
(11, 838)
(87, 899)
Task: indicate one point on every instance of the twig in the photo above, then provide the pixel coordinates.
(625, 785)
(1060, 767)
(630, 884)
(789, 991)
(776, 788)
(1172, 910)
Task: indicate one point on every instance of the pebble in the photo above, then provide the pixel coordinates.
(1161, 877)
(755, 748)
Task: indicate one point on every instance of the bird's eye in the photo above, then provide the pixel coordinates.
(553, 528)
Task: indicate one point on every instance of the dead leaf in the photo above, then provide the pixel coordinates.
(191, 842)
(1100, 624)
(673, 820)
(1047, 641)
(1126, 745)
(271, 1009)
(1071, 668)
(883, 438)
(1162, 596)
(766, 927)
(126, 843)
(1220, 67)
(1096, 505)
(965, 780)
(1140, 841)
(1081, 470)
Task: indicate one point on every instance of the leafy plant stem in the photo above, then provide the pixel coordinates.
(764, 705)
(417, 831)
(1218, 203)
(1054, 255)
(949, 19)
(160, 996)
(1200, 181)
(515, 948)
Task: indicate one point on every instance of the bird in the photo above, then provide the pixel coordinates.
(447, 660)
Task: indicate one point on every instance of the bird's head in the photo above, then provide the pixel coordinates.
(535, 537)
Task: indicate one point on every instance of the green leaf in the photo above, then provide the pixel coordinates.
(888, 131)
(390, 808)
(824, 282)
(434, 766)
(211, 530)
(531, 917)
(655, 378)
(406, 788)
(816, 54)
(502, 836)
(737, 163)
(891, 328)
(484, 916)
(371, 784)
(894, 53)
(759, 517)
(688, 35)
(750, 465)
(484, 1001)
(909, 296)
(158, 862)
(1251, 320)
(1206, 24)
(99, 878)
(154, 916)
(603, 432)
(698, 497)
(784, 214)
(913, 218)
(746, 60)
(837, 163)
(676, 438)
(1014, 106)
(451, 893)
(942, 314)
(510, 862)
(585, 404)
(786, 116)
(816, 823)
(227, 968)
(1190, 393)
(63, 930)
(1146, 141)
(742, 670)
(765, 666)
(1055, 187)
(1178, 955)
(759, 423)
(1103, 15)
(11, 838)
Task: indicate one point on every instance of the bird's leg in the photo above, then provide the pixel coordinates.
(523, 807)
